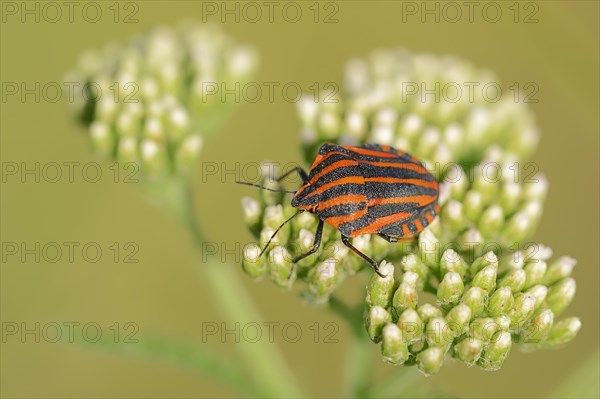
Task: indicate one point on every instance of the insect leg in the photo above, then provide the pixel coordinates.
(277, 231)
(296, 169)
(365, 257)
(314, 249)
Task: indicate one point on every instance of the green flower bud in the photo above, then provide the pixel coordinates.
(107, 109)
(453, 216)
(339, 253)
(252, 264)
(430, 360)
(471, 241)
(484, 185)
(393, 347)
(560, 295)
(511, 262)
(128, 150)
(406, 296)
(154, 159)
(534, 273)
(510, 195)
(437, 333)
(522, 309)
(323, 279)
(412, 263)
(558, 270)
(265, 235)
(459, 186)
(329, 125)
(355, 124)
(517, 229)
(478, 264)
(515, 280)
(473, 205)
(537, 253)
(128, 123)
(305, 221)
(475, 298)
(377, 319)
(538, 328)
(453, 262)
(380, 245)
(270, 171)
(363, 244)
(450, 289)
(429, 247)
(563, 332)
(189, 152)
(252, 213)
(154, 129)
(496, 352)
(458, 319)
(501, 302)
(486, 278)
(491, 220)
(537, 191)
(280, 267)
(469, 350)
(428, 311)
(380, 290)
(411, 325)
(539, 292)
(103, 139)
(503, 322)
(273, 217)
(483, 328)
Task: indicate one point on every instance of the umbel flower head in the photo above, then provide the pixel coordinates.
(471, 284)
(472, 145)
(155, 99)
(441, 109)
(479, 309)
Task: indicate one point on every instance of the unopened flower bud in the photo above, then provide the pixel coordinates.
(377, 318)
(559, 269)
(406, 296)
(450, 289)
(254, 266)
(469, 350)
(475, 298)
(430, 360)
(393, 347)
(501, 302)
(560, 295)
(496, 352)
(380, 290)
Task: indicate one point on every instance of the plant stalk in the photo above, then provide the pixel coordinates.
(357, 373)
(262, 360)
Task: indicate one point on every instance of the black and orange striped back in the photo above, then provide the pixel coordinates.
(371, 189)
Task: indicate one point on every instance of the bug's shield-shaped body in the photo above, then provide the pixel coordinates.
(372, 189)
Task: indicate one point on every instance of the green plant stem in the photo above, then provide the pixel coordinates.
(210, 364)
(357, 373)
(396, 383)
(263, 361)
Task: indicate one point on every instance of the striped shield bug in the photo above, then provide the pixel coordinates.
(370, 189)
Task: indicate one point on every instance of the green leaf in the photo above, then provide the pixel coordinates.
(583, 383)
(221, 368)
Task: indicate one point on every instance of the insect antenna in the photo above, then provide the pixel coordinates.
(277, 231)
(265, 188)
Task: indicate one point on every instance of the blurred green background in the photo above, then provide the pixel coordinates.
(162, 294)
